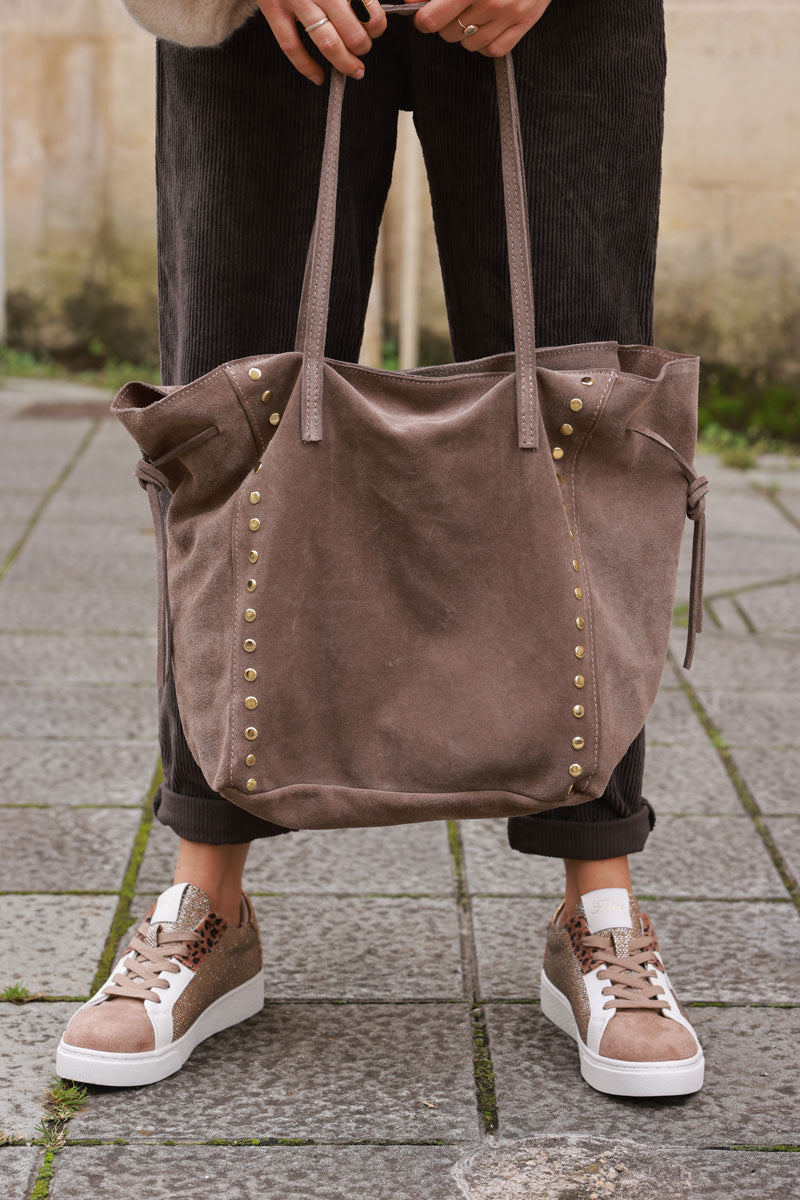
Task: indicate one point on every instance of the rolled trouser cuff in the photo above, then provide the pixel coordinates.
(210, 819)
(556, 837)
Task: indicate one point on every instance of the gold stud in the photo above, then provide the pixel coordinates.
(578, 710)
(249, 645)
(575, 770)
(580, 622)
(250, 674)
(579, 681)
(253, 556)
(266, 396)
(567, 429)
(254, 373)
(578, 743)
(255, 497)
(254, 524)
(587, 380)
(250, 703)
(576, 404)
(578, 593)
(250, 733)
(274, 417)
(251, 585)
(251, 785)
(257, 468)
(557, 452)
(576, 566)
(250, 761)
(579, 651)
(249, 614)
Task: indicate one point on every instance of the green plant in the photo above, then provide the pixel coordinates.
(752, 404)
(16, 993)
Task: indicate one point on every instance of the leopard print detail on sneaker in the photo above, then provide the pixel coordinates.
(211, 929)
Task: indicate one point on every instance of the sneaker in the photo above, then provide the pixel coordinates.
(604, 984)
(186, 975)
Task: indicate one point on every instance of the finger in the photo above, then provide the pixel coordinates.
(353, 32)
(284, 27)
(506, 41)
(436, 14)
(328, 40)
(377, 18)
(454, 32)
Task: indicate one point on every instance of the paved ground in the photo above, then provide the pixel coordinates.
(402, 1055)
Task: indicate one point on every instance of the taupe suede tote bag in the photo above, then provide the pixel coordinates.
(392, 596)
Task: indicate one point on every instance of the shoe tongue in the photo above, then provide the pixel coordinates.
(181, 906)
(612, 911)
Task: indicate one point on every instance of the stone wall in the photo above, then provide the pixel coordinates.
(78, 189)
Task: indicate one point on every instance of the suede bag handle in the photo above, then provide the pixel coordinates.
(313, 315)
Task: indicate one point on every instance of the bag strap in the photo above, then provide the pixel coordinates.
(313, 315)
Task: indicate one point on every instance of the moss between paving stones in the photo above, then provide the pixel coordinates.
(123, 915)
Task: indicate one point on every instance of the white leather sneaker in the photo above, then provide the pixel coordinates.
(604, 984)
(187, 974)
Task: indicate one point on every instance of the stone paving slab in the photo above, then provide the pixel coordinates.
(409, 859)
(755, 556)
(57, 560)
(65, 849)
(774, 609)
(786, 831)
(10, 532)
(52, 944)
(772, 776)
(27, 467)
(18, 1165)
(80, 772)
(319, 948)
(745, 513)
(49, 711)
(763, 718)
(750, 1096)
(672, 719)
(312, 1071)
(77, 659)
(702, 945)
(689, 779)
(77, 610)
(733, 662)
(712, 856)
(29, 1035)
(492, 866)
(546, 1168)
(259, 1172)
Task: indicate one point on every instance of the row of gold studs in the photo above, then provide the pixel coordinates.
(578, 743)
(249, 644)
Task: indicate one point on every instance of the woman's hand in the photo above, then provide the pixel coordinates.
(339, 39)
(501, 23)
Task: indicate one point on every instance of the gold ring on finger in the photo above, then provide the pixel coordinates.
(468, 29)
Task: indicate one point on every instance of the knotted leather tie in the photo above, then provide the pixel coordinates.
(696, 512)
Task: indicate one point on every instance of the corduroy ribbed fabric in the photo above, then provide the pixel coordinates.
(239, 142)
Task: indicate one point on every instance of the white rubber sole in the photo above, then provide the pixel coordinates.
(616, 1077)
(133, 1070)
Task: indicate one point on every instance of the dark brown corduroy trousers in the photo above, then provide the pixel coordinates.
(239, 144)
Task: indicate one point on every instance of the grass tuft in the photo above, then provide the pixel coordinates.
(17, 993)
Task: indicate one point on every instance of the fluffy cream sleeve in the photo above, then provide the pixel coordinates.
(191, 22)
